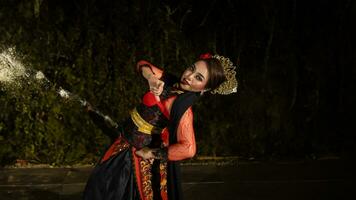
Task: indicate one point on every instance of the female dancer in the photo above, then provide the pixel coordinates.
(142, 161)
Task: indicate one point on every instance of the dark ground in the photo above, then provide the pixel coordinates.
(318, 179)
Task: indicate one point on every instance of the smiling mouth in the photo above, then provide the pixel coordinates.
(184, 82)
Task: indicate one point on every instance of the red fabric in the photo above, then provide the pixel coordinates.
(136, 160)
(185, 146)
(120, 144)
(205, 56)
(149, 99)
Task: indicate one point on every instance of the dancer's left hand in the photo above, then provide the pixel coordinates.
(146, 153)
(156, 85)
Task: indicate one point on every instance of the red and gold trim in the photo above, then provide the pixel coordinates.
(163, 173)
(119, 145)
(143, 177)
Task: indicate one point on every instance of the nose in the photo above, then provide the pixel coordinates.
(190, 76)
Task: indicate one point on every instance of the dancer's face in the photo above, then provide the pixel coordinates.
(195, 77)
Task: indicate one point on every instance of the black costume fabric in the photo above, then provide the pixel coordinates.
(113, 179)
(180, 105)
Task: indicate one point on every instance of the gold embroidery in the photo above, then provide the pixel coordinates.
(120, 147)
(146, 173)
(146, 179)
(163, 172)
(176, 89)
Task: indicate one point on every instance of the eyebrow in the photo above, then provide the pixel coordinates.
(199, 74)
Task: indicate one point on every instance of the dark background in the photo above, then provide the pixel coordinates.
(295, 66)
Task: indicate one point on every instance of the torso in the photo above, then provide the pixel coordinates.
(154, 111)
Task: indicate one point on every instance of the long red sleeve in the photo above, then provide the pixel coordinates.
(185, 146)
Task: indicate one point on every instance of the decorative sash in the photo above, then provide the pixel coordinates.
(142, 125)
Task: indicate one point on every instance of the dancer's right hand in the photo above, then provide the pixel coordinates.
(88, 107)
(156, 85)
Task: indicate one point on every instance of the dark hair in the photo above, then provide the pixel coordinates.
(216, 73)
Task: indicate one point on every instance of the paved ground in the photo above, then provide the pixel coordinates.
(307, 180)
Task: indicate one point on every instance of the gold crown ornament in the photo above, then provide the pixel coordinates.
(230, 85)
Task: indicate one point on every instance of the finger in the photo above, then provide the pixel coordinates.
(154, 88)
(151, 155)
(160, 84)
(160, 88)
(159, 92)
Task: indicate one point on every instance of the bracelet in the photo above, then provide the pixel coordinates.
(162, 154)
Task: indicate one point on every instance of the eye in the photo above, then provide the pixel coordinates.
(198, 78)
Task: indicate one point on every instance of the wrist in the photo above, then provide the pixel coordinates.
(162, 154)
(149, 76)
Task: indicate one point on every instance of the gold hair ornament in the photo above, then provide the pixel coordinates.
(230, 85)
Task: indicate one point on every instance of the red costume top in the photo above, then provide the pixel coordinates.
(185, 146)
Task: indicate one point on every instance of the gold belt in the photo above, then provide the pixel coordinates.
(141, 124)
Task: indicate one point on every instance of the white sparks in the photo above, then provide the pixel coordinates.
(10, 67)
(63, 93)
(39, 75)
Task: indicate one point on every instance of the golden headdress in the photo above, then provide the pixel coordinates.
(230, 85)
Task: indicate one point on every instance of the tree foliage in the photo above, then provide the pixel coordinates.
(296, 75)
